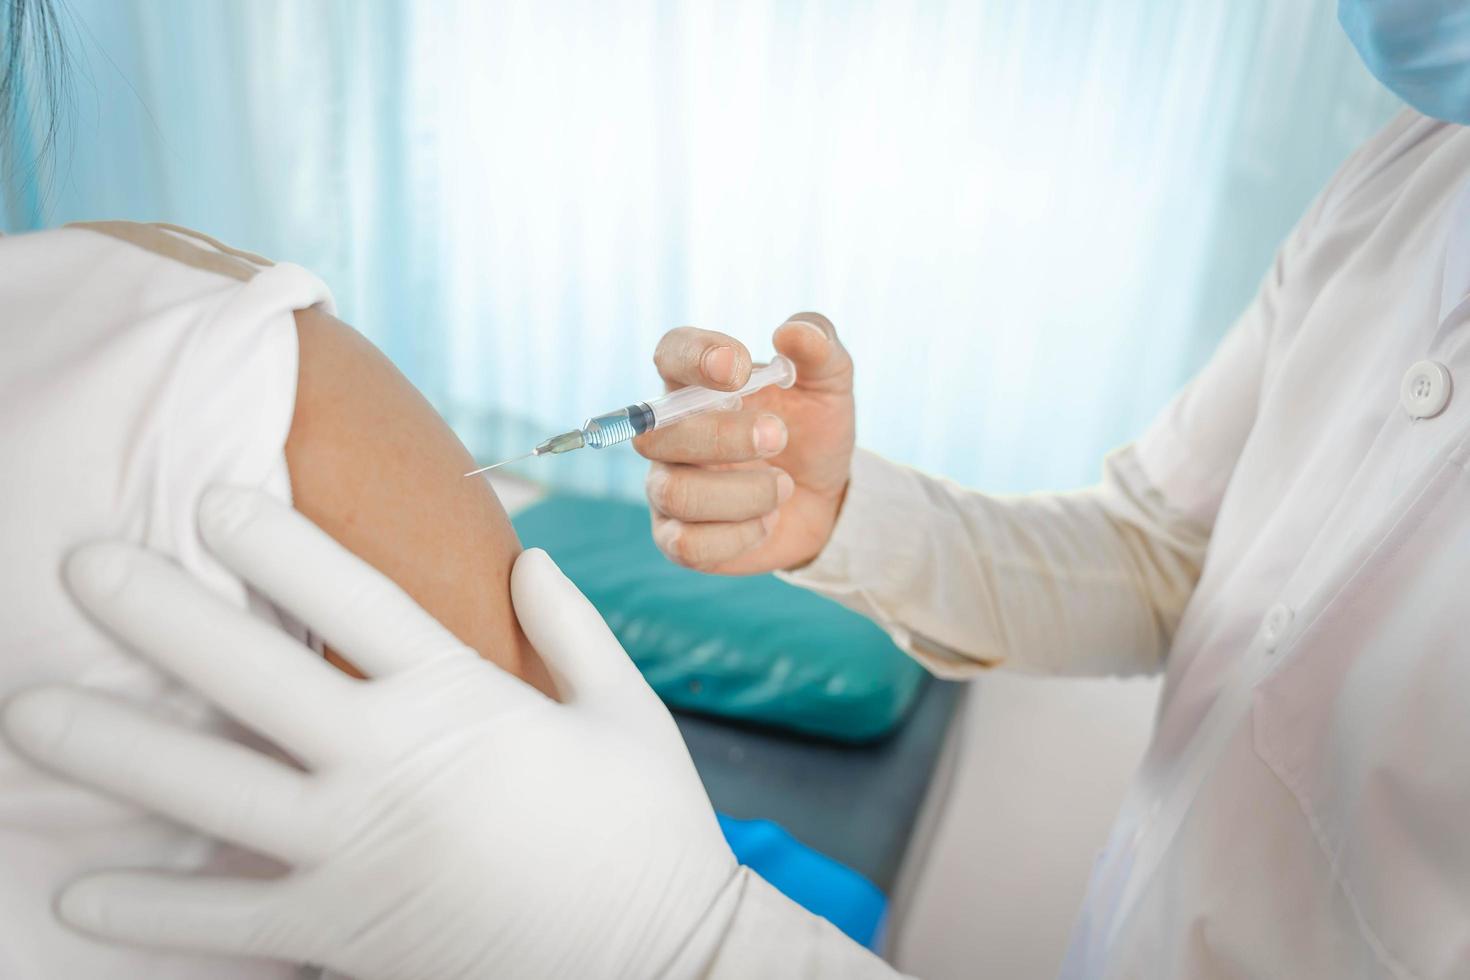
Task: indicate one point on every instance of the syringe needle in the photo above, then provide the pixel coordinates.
(513, 459)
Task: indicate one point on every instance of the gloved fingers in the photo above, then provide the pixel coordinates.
(705, 546)
(250, 669)
(719, 437)
(230, 916)
(695, 493)
(359, 611)
(580, 651)
(223, 789)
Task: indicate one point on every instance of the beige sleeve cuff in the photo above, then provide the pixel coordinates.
(871, 530)
(875, 554)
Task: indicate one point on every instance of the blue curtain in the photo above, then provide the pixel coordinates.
(1030, 219)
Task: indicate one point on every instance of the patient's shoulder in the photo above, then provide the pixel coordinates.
(375, 466)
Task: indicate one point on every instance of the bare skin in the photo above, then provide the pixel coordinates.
(739, 493)
(375, 467)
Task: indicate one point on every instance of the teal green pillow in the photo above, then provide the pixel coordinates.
(753, 649)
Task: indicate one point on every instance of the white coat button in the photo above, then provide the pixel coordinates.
(1425, 390)
(1278, 619)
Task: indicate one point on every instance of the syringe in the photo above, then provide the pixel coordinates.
(611, 428)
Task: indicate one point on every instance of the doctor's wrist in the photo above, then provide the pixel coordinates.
(833, 517)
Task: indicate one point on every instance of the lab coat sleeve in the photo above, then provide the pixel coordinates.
(752, 930)
(1086, 582)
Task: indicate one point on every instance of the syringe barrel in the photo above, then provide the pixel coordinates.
(685, 403)
(611, 428)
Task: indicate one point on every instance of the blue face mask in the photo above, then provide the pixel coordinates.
(1418, 48)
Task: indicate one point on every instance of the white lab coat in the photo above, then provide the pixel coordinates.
(1290, 544)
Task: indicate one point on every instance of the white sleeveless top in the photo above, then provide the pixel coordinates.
(138, 365)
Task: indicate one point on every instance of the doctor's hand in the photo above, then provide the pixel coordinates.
(757, 489)
(448, 820)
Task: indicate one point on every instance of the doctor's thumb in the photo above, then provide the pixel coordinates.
(811, 342)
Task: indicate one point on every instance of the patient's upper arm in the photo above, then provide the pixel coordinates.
(376, 468)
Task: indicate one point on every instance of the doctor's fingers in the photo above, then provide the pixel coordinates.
(719, 437)
(691, 356)
(360, 612)
(706, 546)
(696, 493)
(232, 916)
(225, 790)
(252, 670)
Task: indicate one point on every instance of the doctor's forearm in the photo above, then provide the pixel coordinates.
(1088, 582)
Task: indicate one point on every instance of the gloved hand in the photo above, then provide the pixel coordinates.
(759, 489)
(451, 822)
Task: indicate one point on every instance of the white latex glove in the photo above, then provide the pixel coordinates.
(451, 822)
